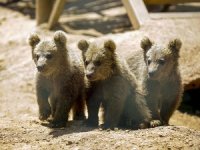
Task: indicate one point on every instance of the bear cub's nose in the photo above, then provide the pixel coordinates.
(151, 73)
(40, 68)
(89, 75)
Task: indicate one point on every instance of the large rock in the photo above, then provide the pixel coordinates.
(188, 30)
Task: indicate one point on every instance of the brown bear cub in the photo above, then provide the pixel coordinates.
(60, 80)
(114, 86)
(163, 79)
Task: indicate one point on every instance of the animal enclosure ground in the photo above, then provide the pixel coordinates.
(19, 125)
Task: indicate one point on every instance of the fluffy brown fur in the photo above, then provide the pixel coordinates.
(163, 78)
(113, 85)
(60, 79)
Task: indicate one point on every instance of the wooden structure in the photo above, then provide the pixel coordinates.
(137, 12)
(43, 10)
(48, 11)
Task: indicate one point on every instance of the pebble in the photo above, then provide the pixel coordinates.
(69, 143)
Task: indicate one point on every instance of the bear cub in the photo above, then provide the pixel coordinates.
(60, 79)
(163, 79)
(114, 86)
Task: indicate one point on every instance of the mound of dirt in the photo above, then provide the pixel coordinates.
(29, 134)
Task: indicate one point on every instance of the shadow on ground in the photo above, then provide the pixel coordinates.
(71, 127)
(190, 103)
(96, 17)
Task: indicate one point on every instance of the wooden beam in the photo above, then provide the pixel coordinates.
(56, 12)
(137, 12)
(43, 10)
(169, 1)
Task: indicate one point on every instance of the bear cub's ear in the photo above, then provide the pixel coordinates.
(146, 44)
(110, 45)
(33, 39)
(60, 37)
(175, 45)
(83, 45)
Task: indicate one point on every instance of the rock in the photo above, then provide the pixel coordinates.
(161, 32)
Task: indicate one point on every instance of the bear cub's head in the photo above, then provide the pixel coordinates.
(99, 59)
(160, 60)
(48, 54)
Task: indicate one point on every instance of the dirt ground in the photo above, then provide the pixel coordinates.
(19, 125)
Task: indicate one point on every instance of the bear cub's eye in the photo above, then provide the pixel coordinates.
(49, 56)
(37, 56)
(97, 63)
(161, 61)
(86, 62)
(148, 61)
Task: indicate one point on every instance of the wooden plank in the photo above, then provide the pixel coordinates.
(169, 1)
(137, 12)
(55, 14)
(43, 9)
(174, 15)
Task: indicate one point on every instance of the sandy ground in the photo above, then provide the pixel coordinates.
(20, 127)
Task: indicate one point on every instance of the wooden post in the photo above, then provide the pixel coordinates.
(137, 12)
(43, 10)
(56, 12)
